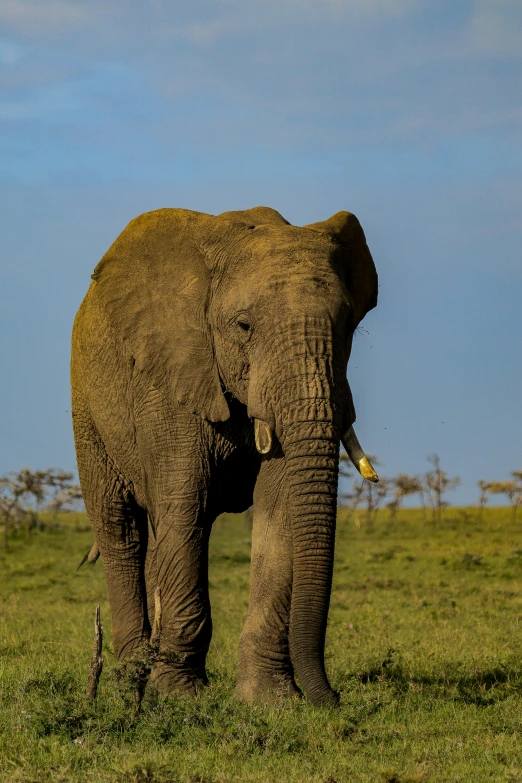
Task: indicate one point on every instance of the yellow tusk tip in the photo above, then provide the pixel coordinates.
(367, 471)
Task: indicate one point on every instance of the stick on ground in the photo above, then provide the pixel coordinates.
(96, 664)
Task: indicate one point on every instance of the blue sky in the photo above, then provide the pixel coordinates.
(406, 112)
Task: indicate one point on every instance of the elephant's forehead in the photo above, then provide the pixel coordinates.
(290, 278)
(294, 273)
(290, 241)
(275, 256)
(287, 267)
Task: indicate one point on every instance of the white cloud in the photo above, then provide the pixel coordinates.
(285, 74)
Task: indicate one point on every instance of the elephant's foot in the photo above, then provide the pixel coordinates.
(265, 672)
(269, 688)
(178, 679)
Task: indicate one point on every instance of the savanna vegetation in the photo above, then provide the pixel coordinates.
(424, 645)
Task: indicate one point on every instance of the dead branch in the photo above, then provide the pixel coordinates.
(96, 664)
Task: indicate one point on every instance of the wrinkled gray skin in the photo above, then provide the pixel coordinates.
(193, 327)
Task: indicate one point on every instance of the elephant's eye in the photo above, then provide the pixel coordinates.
(243, 325)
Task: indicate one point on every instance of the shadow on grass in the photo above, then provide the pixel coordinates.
(482, 687)
(55, 704)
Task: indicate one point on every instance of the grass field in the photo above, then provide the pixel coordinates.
(424, 644)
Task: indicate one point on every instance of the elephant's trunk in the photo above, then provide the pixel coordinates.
(309, 428)
(311, 451)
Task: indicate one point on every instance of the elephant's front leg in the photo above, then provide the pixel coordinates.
(179, 568)
(265, 673)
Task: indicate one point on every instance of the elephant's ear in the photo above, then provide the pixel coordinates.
(153, 285)
(354, 257)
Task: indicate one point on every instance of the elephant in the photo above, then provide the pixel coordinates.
(209, 374)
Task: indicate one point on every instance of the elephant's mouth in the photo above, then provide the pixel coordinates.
(264, 440)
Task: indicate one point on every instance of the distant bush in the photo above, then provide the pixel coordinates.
(512, 489)
(432, 488)
(25, 494)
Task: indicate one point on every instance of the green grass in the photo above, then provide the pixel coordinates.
(424, 645)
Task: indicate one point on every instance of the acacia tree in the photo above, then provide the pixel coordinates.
(64, 494)
(437, 483)
(403, 486)
(354, 497)
(484, 487)
(32, 486)
(11, 509)
(363, 491)
(512, 489)
(23, 494)
(374, 495)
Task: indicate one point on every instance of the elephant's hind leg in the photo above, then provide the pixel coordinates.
(120, 528)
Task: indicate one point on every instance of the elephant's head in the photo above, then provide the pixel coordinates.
(246, 303)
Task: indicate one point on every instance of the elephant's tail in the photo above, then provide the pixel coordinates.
(91, 556)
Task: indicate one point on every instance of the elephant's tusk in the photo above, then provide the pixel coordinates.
(263, 436)
(357, 455)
